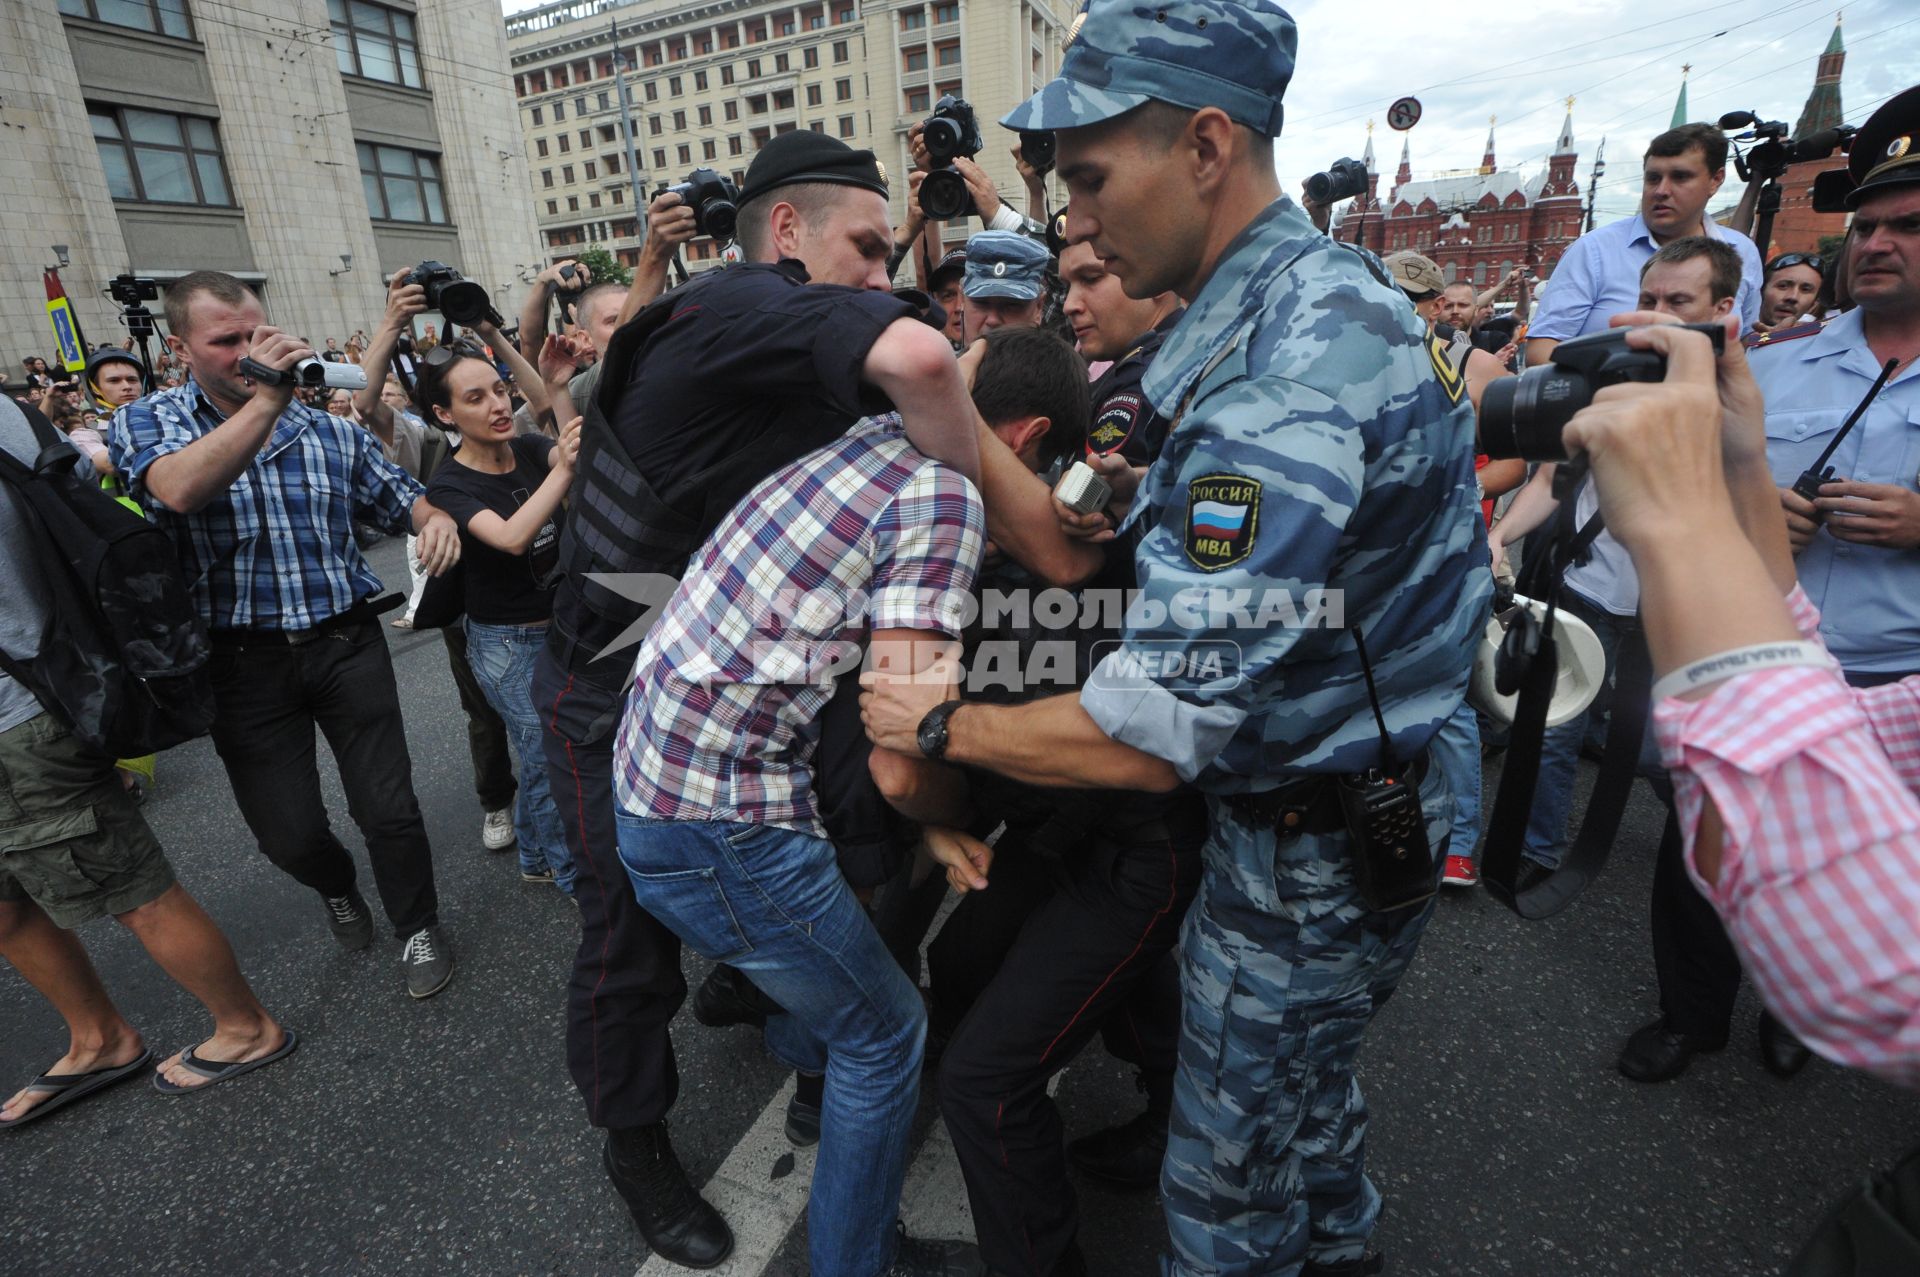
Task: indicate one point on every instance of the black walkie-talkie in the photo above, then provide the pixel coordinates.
(1807, 486)
(1392, 859)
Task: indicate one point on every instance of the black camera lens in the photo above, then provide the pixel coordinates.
(943, 139)
(1343, 180)
(1038, 149)
(718, 217)
(461, 300)
(944, 195)
(1524, 416)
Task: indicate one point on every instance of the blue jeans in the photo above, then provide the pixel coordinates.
(772, 902)
(1455, 750)
(1546, 840)
(502, 659)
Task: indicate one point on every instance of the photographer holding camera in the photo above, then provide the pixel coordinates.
(259, 496)
(1796, 793)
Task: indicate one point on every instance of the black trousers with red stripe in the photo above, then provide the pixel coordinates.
(1028, 971)
(626, 984)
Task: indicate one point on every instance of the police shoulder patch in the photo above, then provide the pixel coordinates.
(1452, 382)
(1114, 423)
(1223, 518)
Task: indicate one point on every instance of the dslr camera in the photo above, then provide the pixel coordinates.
(1524, 416)
(714, 199)
(1039, 148)
(1343, 179)
(452, 294)
(952, 131)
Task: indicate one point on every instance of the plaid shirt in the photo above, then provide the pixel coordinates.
(1819, 879)
(864, 534)
(275, 551)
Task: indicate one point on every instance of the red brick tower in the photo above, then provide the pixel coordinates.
(1797, 228)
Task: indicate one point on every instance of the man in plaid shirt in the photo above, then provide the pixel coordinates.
(259, 494)
(863, 544)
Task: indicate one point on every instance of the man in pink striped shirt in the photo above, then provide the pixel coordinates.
(1798, 795)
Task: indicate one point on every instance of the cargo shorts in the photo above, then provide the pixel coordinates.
(71, 841)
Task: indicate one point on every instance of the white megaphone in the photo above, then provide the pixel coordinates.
(1582, 665)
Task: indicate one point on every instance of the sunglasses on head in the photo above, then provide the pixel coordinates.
(445, 354)
(1798, 259)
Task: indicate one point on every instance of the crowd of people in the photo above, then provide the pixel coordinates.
(777, 617)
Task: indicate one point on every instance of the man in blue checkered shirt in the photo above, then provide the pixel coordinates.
(260, 494)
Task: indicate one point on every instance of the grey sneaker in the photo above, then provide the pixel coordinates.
(348, 919)
(542, 876)
(496, 830)
(428, 962)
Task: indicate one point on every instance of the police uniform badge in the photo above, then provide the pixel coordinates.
(1454, 383)
(1114, 426)
(1223, 517)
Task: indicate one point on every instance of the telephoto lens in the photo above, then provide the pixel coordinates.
(944, 195)
(1038, 148)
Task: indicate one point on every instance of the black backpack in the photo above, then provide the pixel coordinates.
(122, 659)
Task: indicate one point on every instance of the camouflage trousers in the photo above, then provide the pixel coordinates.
(1282, 969)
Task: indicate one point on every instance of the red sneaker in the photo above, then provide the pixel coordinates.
(1460, 872)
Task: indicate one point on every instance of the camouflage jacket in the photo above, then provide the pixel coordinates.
(1318, 478)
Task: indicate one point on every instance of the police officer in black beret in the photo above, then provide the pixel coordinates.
(709, 389)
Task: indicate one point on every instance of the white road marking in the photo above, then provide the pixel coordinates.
(761, 1210)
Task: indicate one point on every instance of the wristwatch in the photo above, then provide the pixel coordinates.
(931, 735)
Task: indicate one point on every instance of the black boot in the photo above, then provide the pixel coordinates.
(1129, 1155)
(676, 1221)
(727, 997)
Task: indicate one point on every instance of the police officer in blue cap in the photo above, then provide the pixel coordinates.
(1315, 492)
(1005, 284)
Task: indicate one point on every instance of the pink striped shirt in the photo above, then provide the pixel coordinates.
(1818, 785)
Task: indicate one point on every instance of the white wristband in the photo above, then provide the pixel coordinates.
(1741, 660)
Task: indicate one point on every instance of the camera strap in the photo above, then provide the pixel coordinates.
(1529, 658)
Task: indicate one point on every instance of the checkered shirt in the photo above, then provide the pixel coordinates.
(864, 534)
(1819, 881)
(275, 551)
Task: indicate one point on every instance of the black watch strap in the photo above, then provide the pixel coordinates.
(931, 735)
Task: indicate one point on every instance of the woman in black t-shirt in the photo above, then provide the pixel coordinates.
(505, 490)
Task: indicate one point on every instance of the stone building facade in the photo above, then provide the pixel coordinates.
(710, 81)
(267, 138)
(1478, 223)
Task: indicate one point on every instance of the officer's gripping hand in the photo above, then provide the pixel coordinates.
(439, 543)
(966, 859)
(892, 705)
(1655, 447)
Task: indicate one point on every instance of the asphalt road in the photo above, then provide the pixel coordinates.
(445, 1136)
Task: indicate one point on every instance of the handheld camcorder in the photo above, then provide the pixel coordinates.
(1038, 148)
(1772, 151)
(452, 294)
(950, 132)
(308, 373)
(1525, 416)
(714, 199)
(1344, 178)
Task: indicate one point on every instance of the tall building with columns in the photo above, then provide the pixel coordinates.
(306, 146)
(710, 81)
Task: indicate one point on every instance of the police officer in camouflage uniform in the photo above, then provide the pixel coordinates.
(1316, 465)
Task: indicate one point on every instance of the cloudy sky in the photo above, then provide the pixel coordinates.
(1620, 64)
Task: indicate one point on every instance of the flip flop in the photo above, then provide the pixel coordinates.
(218, 1071)
(65, 1088)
